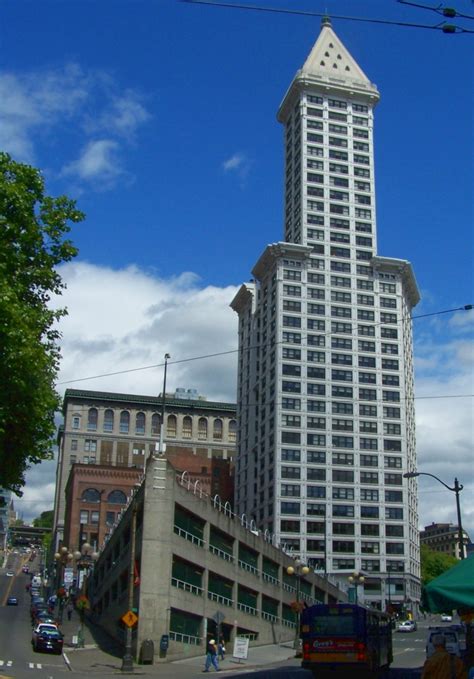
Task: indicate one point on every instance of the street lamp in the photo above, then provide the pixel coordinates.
(85, 560)
(298, 570)
(63, 558)
(456, 489)
(356, 579)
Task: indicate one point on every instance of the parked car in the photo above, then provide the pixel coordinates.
(407, 626)
(12, 601)
(446, 617)
(451, 639)
(49, 640)
(44, 617)
(42, 627)
(10, 574)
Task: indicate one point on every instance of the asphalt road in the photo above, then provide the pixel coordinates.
(17, 658)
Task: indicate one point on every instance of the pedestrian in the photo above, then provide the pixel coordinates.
(221, 649)
(69, 611)
(211, 656)
(443, 665)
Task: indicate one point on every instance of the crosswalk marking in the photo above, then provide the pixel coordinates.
(6, 664)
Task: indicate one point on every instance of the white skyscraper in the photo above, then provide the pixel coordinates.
(325, 390)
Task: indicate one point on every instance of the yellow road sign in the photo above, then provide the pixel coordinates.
(129, 618)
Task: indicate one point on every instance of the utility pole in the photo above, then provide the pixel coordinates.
(127, 661)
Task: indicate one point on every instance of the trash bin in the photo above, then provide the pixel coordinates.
(147, 652)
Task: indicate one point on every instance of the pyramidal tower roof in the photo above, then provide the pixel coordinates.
(330, 65)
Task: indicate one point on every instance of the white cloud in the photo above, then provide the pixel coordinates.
(54, 105)
(125, 319)
(239, 163)
(98, 162)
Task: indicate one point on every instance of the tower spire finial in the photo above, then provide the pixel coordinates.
(326, 20)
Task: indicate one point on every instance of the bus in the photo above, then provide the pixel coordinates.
(346, 638)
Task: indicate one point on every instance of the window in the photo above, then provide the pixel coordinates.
(289, 352)
(293, 437)
(367, 378)
(369, 495)
(313, 474)
(391, 380)
(290, 473)
(76, 422)
(341, 493)
(290, 508)
(346, 546)
(369, 512)
(291, 337)
(343, 528)
(92, 417)
(394, 531)
(392, 462)
(316, 439)
(124, 422)
(369, 477)
(95, 517)
(315, 509)
(290, 420)
(341, 392)
(367, 411)
(73, 444)
(90, 495)
(316, 422)
(291, 387)
(393, 413)
(290, 455)
(343, 510)
(155, 424)
(292, 290)
(366, 443)
(109, 420)
(84, 516)
(316, 457)
(394, 548)
(171, 426)
(291, 305)
(140, 422)
(341, 343)
(369, 461)
(290, 490)
(369, 528)
(392, 445)
(393, 479)
(343, 475)
(368, 394)
(117, 497)
(341, 375)
(291, 369)
(202, 429)
(393, 496)
(90, 446)
(369, 547)
(291, 403)
(394, 513)
(291, 322)
(365, 315)
(187, 427)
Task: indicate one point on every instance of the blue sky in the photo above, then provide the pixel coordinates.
(160, 118)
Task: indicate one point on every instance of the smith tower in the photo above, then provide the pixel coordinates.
(325, 384)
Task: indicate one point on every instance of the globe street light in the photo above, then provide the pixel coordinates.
(456, 489)
(356, 579)
(62, 558)
(298, 570)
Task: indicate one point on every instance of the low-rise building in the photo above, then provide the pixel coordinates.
(443, 537)
(198, 570)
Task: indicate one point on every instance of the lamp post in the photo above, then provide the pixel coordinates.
(127, 660)
(298, 570)
(62, 558)
(163, 407)
(356, 579)
(85, 560)
(457, 488)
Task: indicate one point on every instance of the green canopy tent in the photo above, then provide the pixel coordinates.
(453, 589)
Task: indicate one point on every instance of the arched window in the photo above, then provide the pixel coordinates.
(92, 419)
(155, 424)
(202, 429)
(109, 420)
(140, 423)
(171, 426)
(217, 430)
(90, 495)
(232, 431)
(124, 422)
(187, 427)
(117, 497)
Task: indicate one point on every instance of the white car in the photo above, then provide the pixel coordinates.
(407, 626)
(446, 617)
(451, 640)
(10, 574)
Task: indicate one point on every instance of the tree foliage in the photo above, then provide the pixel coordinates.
(434, 564)
(32, 244)
(44, 520)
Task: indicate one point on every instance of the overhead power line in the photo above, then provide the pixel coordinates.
(448, 12)
(466, 307)
(443, 26)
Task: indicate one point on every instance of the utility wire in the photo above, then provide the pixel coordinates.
(449, 12)
(444, 27)
(466, 307)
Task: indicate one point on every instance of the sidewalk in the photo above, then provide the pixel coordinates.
(102, 655)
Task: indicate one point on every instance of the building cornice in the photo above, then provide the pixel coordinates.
(403, 268)
(276, 251)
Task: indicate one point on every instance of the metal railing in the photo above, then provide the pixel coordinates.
(187, 587)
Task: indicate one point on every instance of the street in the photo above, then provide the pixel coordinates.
(17, 658)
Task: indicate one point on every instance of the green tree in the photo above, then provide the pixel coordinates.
(434, 563)
(44, 520)
(32, 244)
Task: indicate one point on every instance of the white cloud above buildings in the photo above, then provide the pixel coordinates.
(49, 105)
(127, 319)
